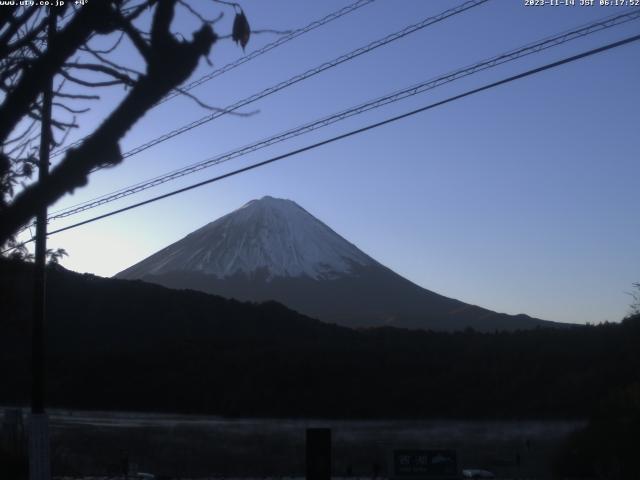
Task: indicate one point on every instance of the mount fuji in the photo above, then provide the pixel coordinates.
(273, 249)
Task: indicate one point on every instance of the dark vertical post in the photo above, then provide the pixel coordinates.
(39, 464)
(318, 461)
(37, 350)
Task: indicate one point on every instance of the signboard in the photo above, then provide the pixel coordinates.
(427, 464)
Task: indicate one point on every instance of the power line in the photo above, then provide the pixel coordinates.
(511, 55)
(267, 48)
(304, 76)
(244, 59)
(308, 74)
(351, 133)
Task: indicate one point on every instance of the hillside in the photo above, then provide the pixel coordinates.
(116, 344)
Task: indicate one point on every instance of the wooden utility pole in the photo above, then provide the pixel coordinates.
(39, 459)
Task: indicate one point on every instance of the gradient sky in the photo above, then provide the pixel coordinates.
(520, 199)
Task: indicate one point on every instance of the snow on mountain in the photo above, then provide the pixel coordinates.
(269, 235)
(273, 249)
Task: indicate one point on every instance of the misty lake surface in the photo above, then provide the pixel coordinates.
(198, 446)
(407, 430)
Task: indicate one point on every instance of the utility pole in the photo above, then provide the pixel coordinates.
(39, 459)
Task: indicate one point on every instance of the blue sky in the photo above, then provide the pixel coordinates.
(520, 199)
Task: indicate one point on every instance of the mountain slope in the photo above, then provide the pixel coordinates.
(273, 249)
(268, 235)
(130, 345)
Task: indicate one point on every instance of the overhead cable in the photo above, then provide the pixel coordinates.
(509, 56)
(304, 76)
(351, 133)
(246, 58)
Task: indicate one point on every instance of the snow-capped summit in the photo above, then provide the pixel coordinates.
(269, 236)
(273, 249)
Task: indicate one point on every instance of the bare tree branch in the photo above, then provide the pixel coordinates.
(212, 108)
(170, 62)
(107, 50)
(77, 96)
(69, 109)
(88, 83)
(88, 19)
(121, 77)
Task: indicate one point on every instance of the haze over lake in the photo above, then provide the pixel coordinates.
(197, 446)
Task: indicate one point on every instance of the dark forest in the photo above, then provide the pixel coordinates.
(117, 344)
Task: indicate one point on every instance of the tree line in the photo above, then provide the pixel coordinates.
(117, 344)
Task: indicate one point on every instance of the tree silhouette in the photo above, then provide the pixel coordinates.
(635, 304)
(79, 69)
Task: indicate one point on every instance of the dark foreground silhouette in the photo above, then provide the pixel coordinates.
(128, 345)
(117, 344)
